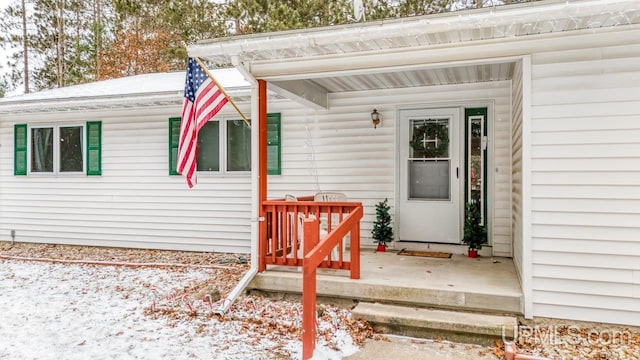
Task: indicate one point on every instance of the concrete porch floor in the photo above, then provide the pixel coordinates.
(485, 284)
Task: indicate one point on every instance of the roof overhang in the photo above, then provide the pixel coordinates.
(425, 40)
(458, 47)
(105, 102)
(146, 90)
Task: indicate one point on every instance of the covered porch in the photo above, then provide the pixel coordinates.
(416, 84)
(492, 283)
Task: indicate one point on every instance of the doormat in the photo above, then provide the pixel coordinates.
(435, 254)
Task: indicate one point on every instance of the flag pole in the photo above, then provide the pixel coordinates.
(222, 89)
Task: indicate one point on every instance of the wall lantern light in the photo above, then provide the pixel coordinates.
(375, 118)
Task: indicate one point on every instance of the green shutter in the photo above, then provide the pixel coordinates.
(273, 144)
(94, 148)
(174, 140)
(20, 149)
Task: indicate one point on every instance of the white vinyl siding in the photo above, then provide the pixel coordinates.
(516, 165)
(352, 157)
(585, 176)
(500, 171)
(135, 203)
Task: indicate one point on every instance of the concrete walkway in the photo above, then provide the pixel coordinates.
(418, 349)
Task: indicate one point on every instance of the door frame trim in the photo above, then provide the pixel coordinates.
(456, 139)
(490, 105)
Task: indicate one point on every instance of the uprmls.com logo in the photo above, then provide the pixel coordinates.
(554, 335)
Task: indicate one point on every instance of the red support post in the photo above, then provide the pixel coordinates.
(311, 238)
(355, 251)
(262, 173)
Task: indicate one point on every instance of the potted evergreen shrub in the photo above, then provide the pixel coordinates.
(382, 232)
(475, 234)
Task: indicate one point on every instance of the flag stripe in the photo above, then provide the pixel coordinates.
(203, 99)
(208, 108)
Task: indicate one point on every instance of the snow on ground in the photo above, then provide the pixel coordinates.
(62, 311)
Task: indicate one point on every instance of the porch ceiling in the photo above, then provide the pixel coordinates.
(415, 78)
(313, 90)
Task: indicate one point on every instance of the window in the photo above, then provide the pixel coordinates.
(476, 155)
(224, 146)
(208, 158)
(238, 146)
(41, 150)
(430, 162)
(70, 156)
(63, 149)
(66, 155)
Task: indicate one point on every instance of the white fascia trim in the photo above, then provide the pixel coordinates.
(459, 52)
(407, 27)
(527, 238)
(102, 102)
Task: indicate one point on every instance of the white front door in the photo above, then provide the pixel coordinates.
(430, 174)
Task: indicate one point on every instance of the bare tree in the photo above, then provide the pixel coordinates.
(60, 43)
(25, 47)
(97, 30)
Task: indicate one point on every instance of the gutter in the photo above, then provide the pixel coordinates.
(253, 270)
(550, 12)
(122, 101)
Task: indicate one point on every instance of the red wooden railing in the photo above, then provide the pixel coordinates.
(316, 251)
(282, 243)
(312, 235)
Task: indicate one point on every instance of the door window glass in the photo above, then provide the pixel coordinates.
(429, 172)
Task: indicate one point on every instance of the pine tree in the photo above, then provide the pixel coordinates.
(255, 16)
(13, 30)
(422, 7)
(475, 234)
(382, 232)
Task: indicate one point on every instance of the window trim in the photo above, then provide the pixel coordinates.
(223, 148)
(56, 149)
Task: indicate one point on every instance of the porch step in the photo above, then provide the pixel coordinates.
(484, 299)
(430, 323)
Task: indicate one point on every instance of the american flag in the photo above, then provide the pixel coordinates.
(203, 98)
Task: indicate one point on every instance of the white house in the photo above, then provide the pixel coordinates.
(112, 186)
(538, 106)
